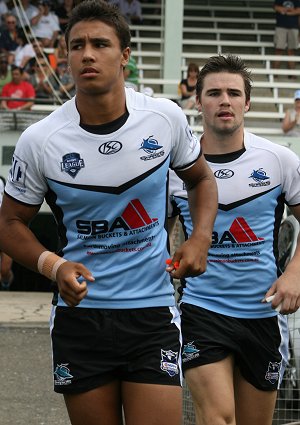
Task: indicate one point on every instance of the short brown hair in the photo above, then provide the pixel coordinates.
(230, 63)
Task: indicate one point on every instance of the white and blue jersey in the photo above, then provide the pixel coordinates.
(108, 194)
(242, 258)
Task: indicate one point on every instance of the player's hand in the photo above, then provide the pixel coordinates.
(286, 292)
(71, 290)
(190, 259)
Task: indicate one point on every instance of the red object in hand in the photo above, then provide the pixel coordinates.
(176, 264)
(169, 261)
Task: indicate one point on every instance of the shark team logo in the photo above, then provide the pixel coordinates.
(189, 352)
(260, 177)
(272, 373)
(62, 375)
(151, 147)
(169, 362)
(72, 163)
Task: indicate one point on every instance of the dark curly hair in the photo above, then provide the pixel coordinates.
(98, 10)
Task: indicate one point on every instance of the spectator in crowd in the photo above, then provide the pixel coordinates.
(6, 273)
(25, 13)
(131, 74)
(45, 25)
(3, 11)
(235, 345)
(63, 13)
(286, 30)
(130, 9)
(38, 48)
(61, 52)
(5, 71)
(24, 52)
(8, 37)
(64, 83)
(291, 121)
(17, 90)
(187, 87)
(39, 79)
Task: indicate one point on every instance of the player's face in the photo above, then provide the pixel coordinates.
(223, 102)
(95, 57)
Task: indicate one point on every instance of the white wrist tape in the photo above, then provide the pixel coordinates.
(48, 264)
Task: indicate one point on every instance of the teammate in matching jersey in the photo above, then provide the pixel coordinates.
(101, 162)
(234, 342)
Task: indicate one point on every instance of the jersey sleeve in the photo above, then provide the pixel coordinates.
(25, 181)
(186, 148)
(290, 164)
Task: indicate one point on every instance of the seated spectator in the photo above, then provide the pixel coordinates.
(5, 72)
(24, 52)
(187, 87)
(17, 89)
(130, 9)
(24, 13)
(63, 13)
(8, 37)
(39, 79)
(39, 53)
(64, 84)
(45, 25)
(61, 52)
(131, 74)
(291, 121)
(3, 12)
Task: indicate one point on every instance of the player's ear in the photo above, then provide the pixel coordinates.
(125, 56)
(247, 105)
(198, 104)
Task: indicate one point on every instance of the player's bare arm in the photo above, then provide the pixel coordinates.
(203, 203)
(18, 241)
(286, 288)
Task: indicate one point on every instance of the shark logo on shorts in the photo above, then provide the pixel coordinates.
(272, 373)
(72, 163)
(189, 352)
(169, 362)
(62, 374)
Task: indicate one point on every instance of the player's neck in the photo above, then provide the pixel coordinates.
(214, 144)
(95, 110)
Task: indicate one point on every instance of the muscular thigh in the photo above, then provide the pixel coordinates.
(212, 390)
(150, 404)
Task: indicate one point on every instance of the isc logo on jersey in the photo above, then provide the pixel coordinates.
(239, 233)
(134, 219)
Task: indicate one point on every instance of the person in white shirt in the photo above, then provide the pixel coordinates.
(45, 25)
(24, 12)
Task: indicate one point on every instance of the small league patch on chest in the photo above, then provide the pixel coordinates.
(72, 163)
